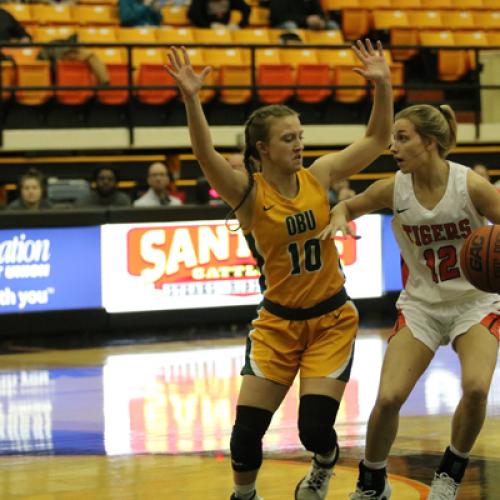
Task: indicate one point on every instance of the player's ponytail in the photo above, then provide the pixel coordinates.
(449, 115)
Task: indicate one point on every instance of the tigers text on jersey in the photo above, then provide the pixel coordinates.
(430, 240)
(298, 269)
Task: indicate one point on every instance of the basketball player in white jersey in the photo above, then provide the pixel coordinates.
(436, 205)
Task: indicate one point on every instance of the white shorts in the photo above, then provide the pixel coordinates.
(439, 324)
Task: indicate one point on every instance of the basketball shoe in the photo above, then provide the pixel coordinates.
(364, 495)
(255, 497)
(372, 484)
(314, 486)
(443, 487)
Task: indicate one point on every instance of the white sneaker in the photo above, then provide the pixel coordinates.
(314, 486)
(443, 487)
(362, 495)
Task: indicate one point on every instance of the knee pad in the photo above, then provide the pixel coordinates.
(246, 439)
(317, 415)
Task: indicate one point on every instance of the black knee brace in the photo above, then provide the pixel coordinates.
(246, 439)
(317, 415)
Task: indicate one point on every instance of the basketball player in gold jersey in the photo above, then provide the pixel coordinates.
(307, 323)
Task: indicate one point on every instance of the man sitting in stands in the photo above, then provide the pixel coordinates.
(217, 13)
(157, 195)
(482, 170)
(293, 14)
(106, 192)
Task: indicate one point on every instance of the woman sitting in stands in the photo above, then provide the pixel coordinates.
(11, 30)
(31, 187)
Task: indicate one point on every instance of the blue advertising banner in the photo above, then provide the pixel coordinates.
(50, 269)
(391, 258)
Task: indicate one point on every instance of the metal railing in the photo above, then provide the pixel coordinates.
(473, 85)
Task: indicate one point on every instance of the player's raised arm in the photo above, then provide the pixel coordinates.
(484, 196)
(335, 166)
(231, 184)
(377, 196)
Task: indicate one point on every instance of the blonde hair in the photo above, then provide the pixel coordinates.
(438, 123)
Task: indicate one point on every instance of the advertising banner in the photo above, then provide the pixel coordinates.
(204, 264)
(391, 260)
(49, 269)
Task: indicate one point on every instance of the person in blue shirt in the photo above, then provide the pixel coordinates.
(140, 12)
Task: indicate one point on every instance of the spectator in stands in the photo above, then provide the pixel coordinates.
(290, 38)
(65, 50)
(294, 14)
(217, 13)
(106, 192)
(140, 12)
(3, 196)
(11, 30)
(340, 191)
(201, 191)
(157, 195)
(32, 192)
(482, 170)
(207, 195)
(237, 161)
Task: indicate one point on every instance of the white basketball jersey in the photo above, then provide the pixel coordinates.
(430, 240)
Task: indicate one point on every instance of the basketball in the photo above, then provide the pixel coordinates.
(480, 258)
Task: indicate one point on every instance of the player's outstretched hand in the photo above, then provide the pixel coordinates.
(338, 224)
(375, 67)
(183, 73)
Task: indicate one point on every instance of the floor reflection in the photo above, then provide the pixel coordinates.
(184, 402)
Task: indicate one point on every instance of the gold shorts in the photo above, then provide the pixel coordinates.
(278, 348)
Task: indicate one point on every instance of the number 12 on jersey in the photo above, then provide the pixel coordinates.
(447, 268)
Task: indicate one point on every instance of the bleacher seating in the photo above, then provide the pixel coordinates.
(472, 23)
(33, 74)
(95, 15)
(52, 14)
(423, 23)
(73, 73)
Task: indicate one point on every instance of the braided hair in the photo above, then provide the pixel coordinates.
(257, 129)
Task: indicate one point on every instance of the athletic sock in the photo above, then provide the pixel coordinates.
(453, 465)
(328, 460)
(458, 453)
(375, 465)
(244, 491)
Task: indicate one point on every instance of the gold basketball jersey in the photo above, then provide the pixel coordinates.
(298, 270)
